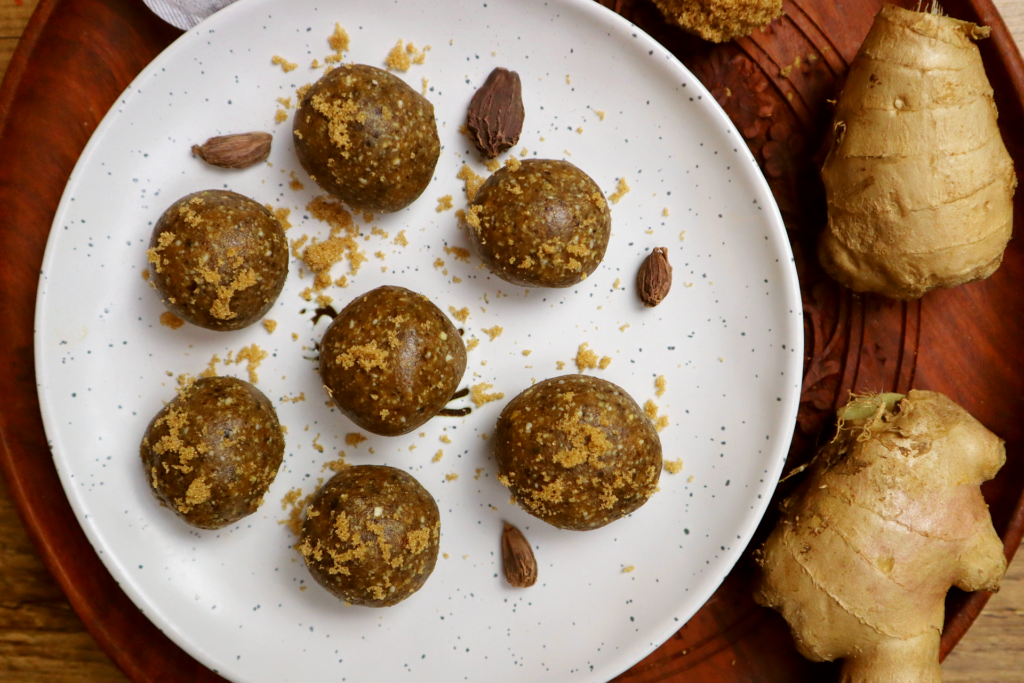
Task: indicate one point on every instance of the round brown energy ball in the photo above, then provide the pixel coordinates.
(391, 360)
(211, 454)
(367, 138)
(540, 223)
(577, 452)
(218, 259)
(371, 535)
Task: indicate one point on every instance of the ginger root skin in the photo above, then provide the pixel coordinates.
(719, 21)
(889, 518)
(918, 182)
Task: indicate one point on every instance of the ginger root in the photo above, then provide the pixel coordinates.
(720, 20)
(918, 181)
(890, 517)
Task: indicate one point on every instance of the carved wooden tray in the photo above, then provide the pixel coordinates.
(78, 55)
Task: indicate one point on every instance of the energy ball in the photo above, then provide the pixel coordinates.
(218, 259)
(371, 535)
(391, 360)
(540, 223)
(367, 138)
(211, 454)
(577, 452)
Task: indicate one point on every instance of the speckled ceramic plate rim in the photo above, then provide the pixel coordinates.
(640, 646)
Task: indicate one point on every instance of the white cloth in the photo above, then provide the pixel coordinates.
(185, 14)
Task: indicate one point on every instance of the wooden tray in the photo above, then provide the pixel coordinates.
(78, 55)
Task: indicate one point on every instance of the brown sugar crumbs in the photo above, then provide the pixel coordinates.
(458, 253)
(294, 499)
(660, 384)
(444, 203)
(628, 570)
(320, 256)
(460, 314)
(403, 56)
(280, 116)
(401, 240)
(620, 191)
(168, 319)
(437, 456)
(480, 397)
(338, 40)
(472, 343)
(674, 466)
(587, 358)
(473, 181)
(271, 325)
(651, 410)
(254, 356)
(451, 477)
(286, 66)
(354, 439)
(493, 332)
(444, 438)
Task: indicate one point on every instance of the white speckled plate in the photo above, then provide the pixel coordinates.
(728, 340)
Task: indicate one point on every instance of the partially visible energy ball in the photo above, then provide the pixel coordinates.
(577, 452)
(212, 453)
(371, 535)
(218, 259)
(367, 138)
(540, 223)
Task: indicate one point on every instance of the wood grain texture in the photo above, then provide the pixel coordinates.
(41, 639)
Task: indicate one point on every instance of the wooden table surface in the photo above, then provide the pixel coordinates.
(43, 641)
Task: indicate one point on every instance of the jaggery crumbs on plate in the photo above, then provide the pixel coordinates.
(437, 456)
(493, 332)
(472, 343)
(493, 165)
(473, 181)
(286, 66)
(211, 368)
(600, 114)
(401, 240)
(320, 256)
(460, 314)
(338, 40)
(664, 212)
(316, 443)
(580, 130)
(458, 253)
(660, 384)
(480, 397)
(425, 82)
(621, 190)
(623, 328)
(336, 465)
(295, 183)
(253, 355)
(294, 499)
(398, 59)
(168, 319)
(444, 438)
(294, 399)
(560, 364)
(651, 410)
(354, 439)
(628, 570)
(527, 352)
(587, 358)
(512, 164)
(280, 116)
(451, 477)
(281, 215)
(271, 325)
(673, 466)
(438, 263)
